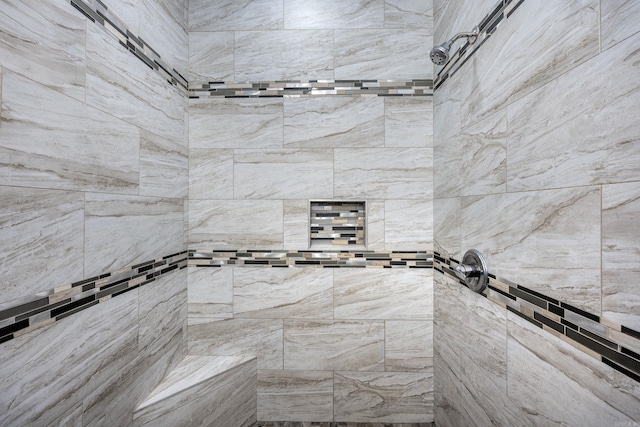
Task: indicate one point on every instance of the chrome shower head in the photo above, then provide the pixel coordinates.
(440, 54)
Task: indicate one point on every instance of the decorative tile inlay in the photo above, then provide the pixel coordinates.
(336, 223)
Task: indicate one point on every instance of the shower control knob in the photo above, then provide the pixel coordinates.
(473, 271)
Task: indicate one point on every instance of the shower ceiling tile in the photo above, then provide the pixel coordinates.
(223, 15)
(331, 14)
(408, 122)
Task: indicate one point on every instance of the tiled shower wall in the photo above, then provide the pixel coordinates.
(536, 165)
(330, 342)
(93, 178)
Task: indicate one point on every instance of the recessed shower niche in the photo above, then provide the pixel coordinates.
(337, 224)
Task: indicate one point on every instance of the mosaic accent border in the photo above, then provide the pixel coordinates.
(500, 12)
(336, 424)
(611, 343)
(337, 223)
(44, 308)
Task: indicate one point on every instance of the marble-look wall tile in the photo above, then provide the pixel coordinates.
(334, 122)
(220, 15)
(408, 224)
(166, 34)
(118, 83)
(593, 393)
(452, 17)
(553, 249)
(375, 225)
(177, 10)
(210, 294)
(620, 256)
(332, 14)
(233, 337)
(211, 57)
(543, 132)
(231, 123)
(210, 173)
(447, 161)
(403, 173)
(399, 397)
(289, 293)
(296, 224)
(236, 223)
(334, 344)
(295, 395)
(43, 234)
(125, 230)
(564, 36)
(446, 227)
(409, 14)
(619, 20)
(45, 142)
(163, 166)
(408, 345)
(44, 40)
(277, 55)
(88, 347)
(383, 294)
(128, 12)
(408, 122)
(267, 174)
(73, 418)
(382, 54)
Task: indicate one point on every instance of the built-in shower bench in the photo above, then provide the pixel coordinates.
(218, 391)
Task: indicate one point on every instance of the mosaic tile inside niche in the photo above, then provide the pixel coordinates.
(611, 343)
(501, 11)
(337, 223)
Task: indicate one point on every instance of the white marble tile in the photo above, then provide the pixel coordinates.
(334, 344)
(177, 10)
(380, 173)
(619, 20)
(210, 294)
(408, 122)
(232, 337)
(284, 55)
(73, 418)
(408, 224)
(235, 123)
(398, 397)
(276, 174)
(334, 122)
(289, 293)
(527, 53)
(382, 54)
(620, 256)
(42, 231)
(224, 15)
(446, 227)
(45, 41)
(163, 166)
(125, 230)
(548, 241)
(46, 143)
(592, 392)
(543, 132)
(127, 11)
(296, 224)
(119, 84)
(236, 224)
(211, 57)
(447, 161)
(383, 294)
(333, 14)
(409, 14)
(375, 225)
(295, 395)
(165, 33)
(452, 17)
(408, 345)
(210, 173)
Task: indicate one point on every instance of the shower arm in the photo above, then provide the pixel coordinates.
(471, 37)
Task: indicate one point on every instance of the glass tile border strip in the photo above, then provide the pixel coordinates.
(613, 344)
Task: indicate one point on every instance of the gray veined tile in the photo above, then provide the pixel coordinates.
(224, 15)
(333, 14)
(211, 57)
(408, 122)
(446, 227)
(163, 166)
(452, 17)
(447, 162)
(408, 224)
(334, 122)
(375, 225)
(45, 142)
(619, 20)
(408, 345)
(210, 173)
(210, 294)
(414, 14)
(296, 224)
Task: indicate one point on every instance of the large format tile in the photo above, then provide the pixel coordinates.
(235, 123)
(211, 57)
(446, 227)
(452, 17)
(408, 224)
(124, 230)
(50, 140)
(330, 14)
(543, 133)
(383, 294)
(447, 161)
(619, 19)
(295, 395)
(408, 345)
(334, 344)
(163, 166)
(334, 122)
(398, 397)
(45, 41)
(296, 224)
(210, 294)
(408, 122)
(283, 55)
(210, 173)
(409, 14)
(273, 293)
(620, 256)
(222, 15)
(42, 231)
(553, 249)
(215, 224)
(283, 174)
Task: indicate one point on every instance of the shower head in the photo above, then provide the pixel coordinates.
(440, 54)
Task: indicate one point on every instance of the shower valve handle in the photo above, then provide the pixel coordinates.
(473, 270)
(464, 271)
